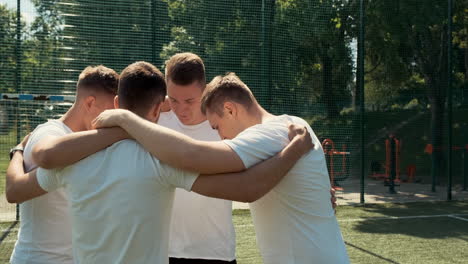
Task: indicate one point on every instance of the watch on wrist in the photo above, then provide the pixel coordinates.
(13, 150)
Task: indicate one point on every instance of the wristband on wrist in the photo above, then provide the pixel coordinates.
(13, 150)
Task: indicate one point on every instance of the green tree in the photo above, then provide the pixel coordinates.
(7, 49)
(460, 40)
(42, 50)
(317, 36)
(307, 45)
(406, 42)
(460, 34)
(225, 34)
(114, 34)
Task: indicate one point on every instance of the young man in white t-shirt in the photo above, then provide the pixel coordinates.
(121, 197)
(44, 235)
(295, 222)
(202, 230)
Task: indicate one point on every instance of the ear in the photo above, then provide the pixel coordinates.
(230, 109)
(166, 104)
(153, 115)
(116, 102)
(89, 102)
(157, 109)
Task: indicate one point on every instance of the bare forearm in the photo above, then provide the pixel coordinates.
(15, 170)
(179, 150)
(165, 144)
(249, 185)
(63, 151)
(21, 186)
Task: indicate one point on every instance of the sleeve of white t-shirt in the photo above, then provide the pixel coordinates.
(49, 129)
(177, 177)
(45, 130)
(259, 143)
(49, 180)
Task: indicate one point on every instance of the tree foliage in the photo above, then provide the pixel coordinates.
(7, 49)
(297, 55)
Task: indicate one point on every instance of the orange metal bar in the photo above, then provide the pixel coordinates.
(328, 143)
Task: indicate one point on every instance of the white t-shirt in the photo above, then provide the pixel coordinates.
(45, 228)
(294, 222)
(201, 227)
(121, 201)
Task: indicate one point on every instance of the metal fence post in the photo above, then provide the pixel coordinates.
(449, 98)
(153, 31)
(18, 77)
(360, 83)
(270, 51)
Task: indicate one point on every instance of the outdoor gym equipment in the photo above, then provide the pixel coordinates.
(464, 154)
(391, 175)
(330, 153)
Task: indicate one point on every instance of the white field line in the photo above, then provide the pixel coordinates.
(398, 217)
(9, 241)
(11, 230)
(459, 218)
(456, 216)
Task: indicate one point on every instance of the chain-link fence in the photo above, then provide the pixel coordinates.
(383, 83)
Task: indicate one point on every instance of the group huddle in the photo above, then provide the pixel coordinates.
(143, 168)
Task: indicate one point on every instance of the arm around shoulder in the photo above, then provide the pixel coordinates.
(250, 185)
(172, 147)
(56, 152)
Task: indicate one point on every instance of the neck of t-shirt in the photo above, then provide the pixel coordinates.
(194, 126)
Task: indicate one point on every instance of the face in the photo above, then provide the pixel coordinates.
(185, 102)
(228, 126)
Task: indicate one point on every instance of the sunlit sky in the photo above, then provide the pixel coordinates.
(27, 8)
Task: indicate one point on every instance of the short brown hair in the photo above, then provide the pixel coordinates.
(226, 88)
(141, 86)
(99, 78)
(185, 68)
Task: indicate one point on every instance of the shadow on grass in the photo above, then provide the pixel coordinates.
(8, 231)
(371, 253)
(418, 208)
(437, 226)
